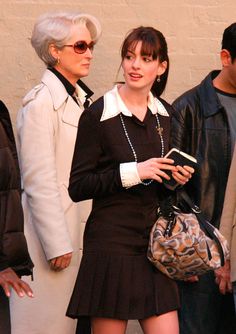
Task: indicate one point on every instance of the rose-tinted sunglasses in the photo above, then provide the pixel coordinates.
(81, 46)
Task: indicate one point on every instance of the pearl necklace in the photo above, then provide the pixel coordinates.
(159, 130)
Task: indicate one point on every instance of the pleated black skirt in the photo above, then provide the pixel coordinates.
(121, 287)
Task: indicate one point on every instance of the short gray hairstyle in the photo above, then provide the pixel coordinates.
(55, 28)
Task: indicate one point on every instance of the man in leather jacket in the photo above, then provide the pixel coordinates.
(204, 125)
(14, 258)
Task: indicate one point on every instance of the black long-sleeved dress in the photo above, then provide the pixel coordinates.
(115, 278)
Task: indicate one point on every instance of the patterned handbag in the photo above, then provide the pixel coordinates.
(186, 244)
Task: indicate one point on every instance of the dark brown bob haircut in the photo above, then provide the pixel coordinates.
(153, 44)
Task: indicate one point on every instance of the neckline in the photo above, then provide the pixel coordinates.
(221, 92)
(113, 105)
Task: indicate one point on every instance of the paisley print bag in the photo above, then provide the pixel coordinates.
(185, 244)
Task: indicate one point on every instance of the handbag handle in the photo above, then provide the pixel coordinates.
(204, 224)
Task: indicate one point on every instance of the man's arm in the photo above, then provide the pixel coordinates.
(181, 125)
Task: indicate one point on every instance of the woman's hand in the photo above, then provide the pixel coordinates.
(61, 262)
(183, 174)
(154, 169)
(9, 279)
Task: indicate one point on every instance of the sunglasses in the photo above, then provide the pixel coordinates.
(81, 46)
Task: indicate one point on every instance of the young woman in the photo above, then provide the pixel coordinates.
(47, 126)
(119, 162)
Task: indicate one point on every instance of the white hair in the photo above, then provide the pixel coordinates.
(55, 28)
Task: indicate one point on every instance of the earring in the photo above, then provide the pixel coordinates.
(58, 60)
(158, 78)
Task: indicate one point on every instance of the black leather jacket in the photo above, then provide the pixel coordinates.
(200, 127)
(13, 247)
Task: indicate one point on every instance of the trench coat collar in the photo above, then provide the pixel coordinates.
(57, 89)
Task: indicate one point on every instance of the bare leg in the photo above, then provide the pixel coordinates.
(108, 326)
(163, 324)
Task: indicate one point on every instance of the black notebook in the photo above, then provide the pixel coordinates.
(181, 159)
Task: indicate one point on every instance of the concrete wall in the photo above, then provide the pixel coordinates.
(193, 30)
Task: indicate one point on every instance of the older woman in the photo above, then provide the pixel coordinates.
(47, 127)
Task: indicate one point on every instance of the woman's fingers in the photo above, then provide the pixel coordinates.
(26, 288)
(6, 288)
(61, 262)
(155, 169)
(8, 278)
(183, 174)
(191, 170)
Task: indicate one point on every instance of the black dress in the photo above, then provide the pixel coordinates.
(115, 278)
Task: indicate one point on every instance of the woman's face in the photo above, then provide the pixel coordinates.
(72, 65)
(140, 71)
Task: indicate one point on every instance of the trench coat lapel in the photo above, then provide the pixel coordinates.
(71, 113)
(61, 99)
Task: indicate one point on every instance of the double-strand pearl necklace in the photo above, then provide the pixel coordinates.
(159, 130)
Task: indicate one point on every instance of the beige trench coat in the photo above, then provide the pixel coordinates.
(228, 218)
(47, 128)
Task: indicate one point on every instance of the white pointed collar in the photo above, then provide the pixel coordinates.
(114, 105)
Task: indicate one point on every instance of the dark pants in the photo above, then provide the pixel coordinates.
(5, 326)
(204, 310)
(234, 292)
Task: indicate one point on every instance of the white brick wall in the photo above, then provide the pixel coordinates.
(193, 30)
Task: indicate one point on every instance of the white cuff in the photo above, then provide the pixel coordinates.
(129, 174)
